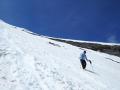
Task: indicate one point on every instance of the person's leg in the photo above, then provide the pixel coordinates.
(81, 63)
(84, 64)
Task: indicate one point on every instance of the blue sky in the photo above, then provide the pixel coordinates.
(92, 20)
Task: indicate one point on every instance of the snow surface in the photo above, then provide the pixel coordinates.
(31, 62)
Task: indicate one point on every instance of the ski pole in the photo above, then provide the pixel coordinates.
(91, 64)
(92, 67)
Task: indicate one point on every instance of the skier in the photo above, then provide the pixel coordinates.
(83, 59)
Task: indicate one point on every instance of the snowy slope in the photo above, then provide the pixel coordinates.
(31, 62)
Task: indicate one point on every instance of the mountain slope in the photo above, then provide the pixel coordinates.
(31, 62)
(109, 48)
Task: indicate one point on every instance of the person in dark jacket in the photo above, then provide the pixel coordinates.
(83, 59)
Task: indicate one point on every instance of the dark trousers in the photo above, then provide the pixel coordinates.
(83, 63)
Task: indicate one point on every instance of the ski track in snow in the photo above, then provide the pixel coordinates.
(30, 62)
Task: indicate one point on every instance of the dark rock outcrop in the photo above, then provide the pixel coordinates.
(109, 49)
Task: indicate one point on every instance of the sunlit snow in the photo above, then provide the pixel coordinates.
(32, 62)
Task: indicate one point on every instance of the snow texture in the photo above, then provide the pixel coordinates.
(32, 62)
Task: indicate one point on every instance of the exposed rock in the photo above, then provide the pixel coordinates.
(109, 49)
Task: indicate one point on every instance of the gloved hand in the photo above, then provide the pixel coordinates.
(90, 61)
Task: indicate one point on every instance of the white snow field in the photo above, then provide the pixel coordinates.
(31, 62)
